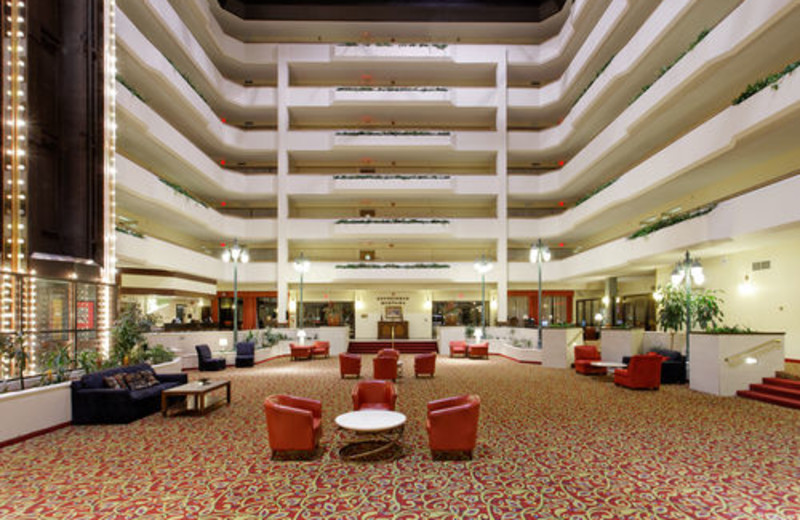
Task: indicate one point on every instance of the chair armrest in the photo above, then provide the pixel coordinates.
(303, 403)
(447, 402)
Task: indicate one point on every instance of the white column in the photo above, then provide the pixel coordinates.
(283, 266)
(502, 196)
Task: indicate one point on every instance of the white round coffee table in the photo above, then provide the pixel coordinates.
(384, 427)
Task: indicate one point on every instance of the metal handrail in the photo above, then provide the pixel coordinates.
(756, 350)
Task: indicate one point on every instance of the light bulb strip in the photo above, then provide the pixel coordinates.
(15, 176)
(109, 273)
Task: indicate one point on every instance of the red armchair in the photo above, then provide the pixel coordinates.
(453, 424)
(374, 395)
(425, 364)
(384, 368)
(300, 351)
(478, 350)
(293, 423)
(642, 372)
(349, 365)
(389, 352)
(321, 348)
(585, 355)
(458, 348)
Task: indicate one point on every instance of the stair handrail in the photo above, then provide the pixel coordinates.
(757, 350)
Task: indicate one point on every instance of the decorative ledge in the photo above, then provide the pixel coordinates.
(389, 50)
(364, 265)
(392, 221)
(395, 183)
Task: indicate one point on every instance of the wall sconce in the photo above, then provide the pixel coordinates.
(293, 305)
(606, 300)
(746, 288)
(359, 304)
(493, 303)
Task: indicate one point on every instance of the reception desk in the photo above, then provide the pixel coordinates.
(385, 329)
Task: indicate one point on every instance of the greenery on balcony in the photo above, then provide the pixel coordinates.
(671, 221)
(392, 89)
(597, 75)
(594, 192)
(129, 231)
(392, 221)
(771, 80)
(188, 81)
(666, 68)
(390, 177)
(391, 132)
(180, 189)
(439, 46)
(364, 265)
(132, 90)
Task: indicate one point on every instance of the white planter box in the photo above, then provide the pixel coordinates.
(393, 185)
(664, 340)
(33, 410)
(618, 343)
(558, 346)
(392, 96)
(384, 230)
(717, 361)
(526, 355)
(394, 141)
(383, 52)
(170, 367)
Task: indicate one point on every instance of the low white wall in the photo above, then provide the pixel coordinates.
(558, 346)
(183, 343)
(709, 371)
(618, 343)
(33, 410)
(502, 341)
(664, 340)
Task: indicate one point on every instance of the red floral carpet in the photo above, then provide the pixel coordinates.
(551, 444)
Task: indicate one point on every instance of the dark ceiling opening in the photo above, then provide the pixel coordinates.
(455, 11)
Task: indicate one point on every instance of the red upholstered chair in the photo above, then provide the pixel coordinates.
(293, 423)
(321, 348)
(642, 372)
(478, 350)
(384, 368)
(584, 356)
(300, 351)
(349, 365)
(425, 364)
(453, 424)
(374, 395)
(458, 348)
(389, 352)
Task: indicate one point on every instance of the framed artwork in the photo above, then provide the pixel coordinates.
(394, 313)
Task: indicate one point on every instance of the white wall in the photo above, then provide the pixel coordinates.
(370, 307)
(774, 303)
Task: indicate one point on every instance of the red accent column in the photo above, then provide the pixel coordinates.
(249, 320)
(215, 309)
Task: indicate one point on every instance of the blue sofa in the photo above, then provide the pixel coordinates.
(673, 369)
(93, 402)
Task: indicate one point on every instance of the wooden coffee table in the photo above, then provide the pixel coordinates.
(383, 427)
(199, 392)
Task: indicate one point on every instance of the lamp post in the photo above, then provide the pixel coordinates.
(686, 271)
(235, 254)
(483, 266)
(302, 266)
(540, 253)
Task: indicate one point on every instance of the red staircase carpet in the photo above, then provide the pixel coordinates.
(783, 392)
(404, 346)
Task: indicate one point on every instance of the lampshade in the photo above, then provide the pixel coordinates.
(301, 265)
(539, 250)
(483, 266)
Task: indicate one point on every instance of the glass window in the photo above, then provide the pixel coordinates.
(267, 311)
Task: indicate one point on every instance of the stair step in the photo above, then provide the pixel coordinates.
(770, 398)
(777, 381)
(782, 391)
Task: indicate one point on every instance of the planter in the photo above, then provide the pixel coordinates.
(558, 346)
(618, 343)
(664, 340)
(29, 411)
(718, 366)
(170, 367)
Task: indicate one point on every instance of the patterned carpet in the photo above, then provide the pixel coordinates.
(551, 444)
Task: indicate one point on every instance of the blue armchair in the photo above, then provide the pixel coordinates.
(245, 354)
(204, 360)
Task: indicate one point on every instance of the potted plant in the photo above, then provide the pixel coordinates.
(703, 304)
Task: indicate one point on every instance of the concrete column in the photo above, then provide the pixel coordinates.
(283, 263)
(611, 306)
(501, 122)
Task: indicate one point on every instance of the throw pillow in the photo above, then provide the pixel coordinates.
(113, 383)
(149, 378)
(135, 381)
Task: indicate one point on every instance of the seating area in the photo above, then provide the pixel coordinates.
(245, 354)
(300, 352)
(204, 360)
(585, 355)
(293, 423)
(673, 366)
(120, 395)
(374, 395)
(452, 424)
(643, 372)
